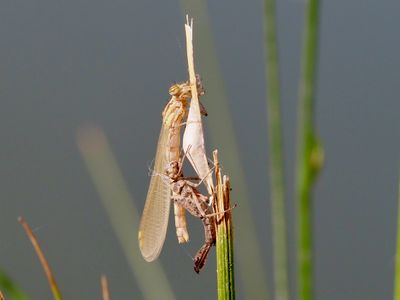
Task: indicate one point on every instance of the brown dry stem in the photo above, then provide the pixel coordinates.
(43, 261)
(104, 287)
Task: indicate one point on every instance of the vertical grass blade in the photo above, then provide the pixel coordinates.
(249, 256)
(224, 244)
(224, 236)
(276, 169)
(397, 267)
(310, 154)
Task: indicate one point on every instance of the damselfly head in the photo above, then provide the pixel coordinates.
(174, 90)
(180, 90)
(183, 91)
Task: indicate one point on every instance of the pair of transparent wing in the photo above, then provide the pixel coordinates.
(154, 222)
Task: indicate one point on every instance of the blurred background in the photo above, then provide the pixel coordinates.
(67, 64)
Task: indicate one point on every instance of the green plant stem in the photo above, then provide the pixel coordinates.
(248, 253)
(397, 270)
(309, 153)
(224, 236)
(276, 155)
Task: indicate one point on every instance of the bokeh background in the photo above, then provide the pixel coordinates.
(66, 64)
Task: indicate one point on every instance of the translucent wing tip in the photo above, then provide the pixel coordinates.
(149, 253)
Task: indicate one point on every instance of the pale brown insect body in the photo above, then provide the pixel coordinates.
(154, 221)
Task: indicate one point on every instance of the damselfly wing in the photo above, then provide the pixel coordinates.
(154, 222)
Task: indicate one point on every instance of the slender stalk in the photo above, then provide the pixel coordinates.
(397, 270)
(278, 213)
(104, 287)
(310, 154)
(224, 244)
(43, 261)
(248, 252)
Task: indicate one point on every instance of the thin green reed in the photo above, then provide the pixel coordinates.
(397, 270)
(310, 154)
(277, 186)
(248, 254)
(224, 236)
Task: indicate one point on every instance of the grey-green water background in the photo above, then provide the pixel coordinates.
(66, 63)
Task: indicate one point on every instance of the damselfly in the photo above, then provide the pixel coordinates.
(154, 222)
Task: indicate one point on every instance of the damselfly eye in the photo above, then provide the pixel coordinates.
(174, 90)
